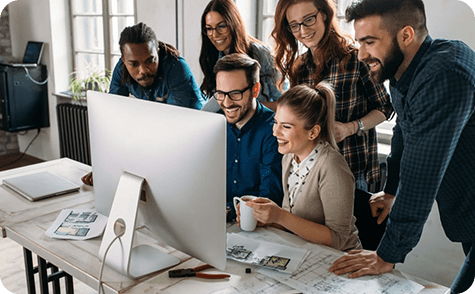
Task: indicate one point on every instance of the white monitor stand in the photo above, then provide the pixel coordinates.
(131, 261)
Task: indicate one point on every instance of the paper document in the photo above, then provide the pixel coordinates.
(265, 254)
(259, 284)
(77, 224)
(313, 277)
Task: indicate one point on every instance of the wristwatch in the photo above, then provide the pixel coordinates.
(361, 128)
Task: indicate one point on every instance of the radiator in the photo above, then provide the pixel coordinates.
(74, 132)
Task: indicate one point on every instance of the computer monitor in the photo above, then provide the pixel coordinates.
(178, 157)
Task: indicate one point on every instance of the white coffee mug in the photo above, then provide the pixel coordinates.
(247, 220)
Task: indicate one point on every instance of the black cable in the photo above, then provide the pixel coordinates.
(23, 154)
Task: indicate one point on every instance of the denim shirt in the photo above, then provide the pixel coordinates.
(174, 84)
(253, 163)
(433, 147)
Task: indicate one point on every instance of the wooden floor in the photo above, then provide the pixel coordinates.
(12, 269)
(10, 161)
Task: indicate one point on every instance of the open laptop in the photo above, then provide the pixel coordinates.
(40, 185)
(32, 56)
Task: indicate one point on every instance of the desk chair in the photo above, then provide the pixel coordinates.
(369, 231)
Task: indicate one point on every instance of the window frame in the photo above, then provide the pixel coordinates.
(107, 54)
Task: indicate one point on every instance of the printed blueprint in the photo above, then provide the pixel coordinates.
(313, 277)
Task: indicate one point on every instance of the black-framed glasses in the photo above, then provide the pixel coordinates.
(221, 28)
(234, 95)
(309, 21)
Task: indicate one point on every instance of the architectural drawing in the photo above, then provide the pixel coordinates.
(313, 277)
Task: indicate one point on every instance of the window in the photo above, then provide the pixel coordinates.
(96, 29)
(265, 19)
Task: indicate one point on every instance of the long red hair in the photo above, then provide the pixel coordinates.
(334, 43)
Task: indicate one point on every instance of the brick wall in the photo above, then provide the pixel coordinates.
(8, 141)
(5, 40)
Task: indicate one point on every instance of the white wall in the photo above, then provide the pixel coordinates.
(248, 10)
(451, 19)
(160, 16)
(30, 20)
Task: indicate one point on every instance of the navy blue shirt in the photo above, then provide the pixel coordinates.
(433, 147)
(254, 166)
(174, 84)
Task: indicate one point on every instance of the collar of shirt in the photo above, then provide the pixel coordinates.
(245, 128)
(298, 174)
(403, 83)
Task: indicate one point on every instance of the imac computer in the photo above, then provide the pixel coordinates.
(162, 167)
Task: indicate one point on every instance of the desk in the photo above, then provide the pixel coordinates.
(26, 224)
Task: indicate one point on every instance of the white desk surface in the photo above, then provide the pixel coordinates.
(15, 208)
(26, 222)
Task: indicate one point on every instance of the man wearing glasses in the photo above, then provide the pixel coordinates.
(253, 162)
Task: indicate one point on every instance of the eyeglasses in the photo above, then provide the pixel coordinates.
(309, 21)
(234, 95)
(221, 28)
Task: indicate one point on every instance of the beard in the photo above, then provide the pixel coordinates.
(389, 65)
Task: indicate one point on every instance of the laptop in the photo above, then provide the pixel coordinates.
(32, 56)
(40, 185)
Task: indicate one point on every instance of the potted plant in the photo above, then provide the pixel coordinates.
(97, 80)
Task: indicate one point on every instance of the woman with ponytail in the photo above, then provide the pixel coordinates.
(318, 184)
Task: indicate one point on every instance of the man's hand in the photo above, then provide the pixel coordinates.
(360, 263)
(87, 179)
(381, 204)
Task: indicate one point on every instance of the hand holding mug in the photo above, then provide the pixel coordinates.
(247, 221)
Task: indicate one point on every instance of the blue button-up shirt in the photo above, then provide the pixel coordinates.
(253, 163)
(433, 147)
(174, 84)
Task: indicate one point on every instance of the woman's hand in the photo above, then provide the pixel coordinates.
(343, 130)
(265, 211)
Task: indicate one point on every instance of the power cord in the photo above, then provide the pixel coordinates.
(24, 152)
(33, 80)
(99, 286)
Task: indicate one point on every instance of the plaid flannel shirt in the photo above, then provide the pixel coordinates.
(356, 95)
(433, 147)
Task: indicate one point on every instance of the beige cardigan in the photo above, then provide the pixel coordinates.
(327, 196)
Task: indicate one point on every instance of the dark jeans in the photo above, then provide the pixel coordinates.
(466, 275)
(369, 232)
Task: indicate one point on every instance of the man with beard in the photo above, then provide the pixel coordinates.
(253, 161)
(152, 70)
(433, 145)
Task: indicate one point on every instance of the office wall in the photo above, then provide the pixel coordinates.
(451, 19)
(29, 20)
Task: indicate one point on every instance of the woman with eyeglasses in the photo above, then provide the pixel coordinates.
(332, 57)
(318, 184)
(223, 32)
